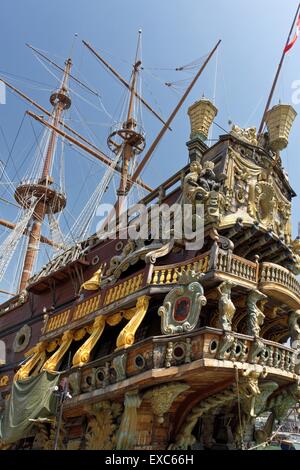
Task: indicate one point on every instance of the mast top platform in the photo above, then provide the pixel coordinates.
(127, 132)
(53, 199)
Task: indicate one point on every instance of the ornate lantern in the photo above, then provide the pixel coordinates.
(202, 114)
(279, 121)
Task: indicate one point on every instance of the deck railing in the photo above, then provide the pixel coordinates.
(270, 272)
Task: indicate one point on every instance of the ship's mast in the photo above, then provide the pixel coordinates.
(49, 199)
(128, 135)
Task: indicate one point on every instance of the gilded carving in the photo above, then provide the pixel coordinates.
(226, 308)
(82, 355)
(190, 183)
(295, 245)
(127, 432)
(225, 345)
(38, 357)
(255, 316)
(163, 396)
(126, 337)
(102, 425)
(95, 281)
(4, 379)
(45, 435)
(248, 135)
(182, 305)
(249, 389)
(53, 362)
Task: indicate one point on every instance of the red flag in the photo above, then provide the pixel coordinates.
(292, 42)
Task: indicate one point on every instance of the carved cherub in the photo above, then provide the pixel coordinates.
(226, 306)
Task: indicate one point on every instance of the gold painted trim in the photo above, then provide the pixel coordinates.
(126, 337)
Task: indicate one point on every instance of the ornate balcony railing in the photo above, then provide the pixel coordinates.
(213, 346)
(169, 274)
(273, 273)
(237, 266)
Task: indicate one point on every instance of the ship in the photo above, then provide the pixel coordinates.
(176, 342)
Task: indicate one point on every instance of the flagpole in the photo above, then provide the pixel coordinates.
(278, 72)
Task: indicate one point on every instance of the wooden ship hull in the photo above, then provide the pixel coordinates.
(138, 377)
(151, 344)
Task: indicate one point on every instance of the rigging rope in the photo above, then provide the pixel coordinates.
(82, 224)
(9, 245)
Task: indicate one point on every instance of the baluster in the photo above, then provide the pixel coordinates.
(155, 276)
(123, 290)
(282, 362)
(169, 276)
(293, 361)
(288, 360)
(175, 275)
(126, 289)
(162, 276)
(271, 356)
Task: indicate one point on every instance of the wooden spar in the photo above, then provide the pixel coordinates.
(277, 73)
(172, 115)
(11, 225)
(128, 153)
(122, 80)
(62, 69)
(117, 208)
(97, 154)
(44, 110)
(62, 123)
(6, 292)
(60, 102)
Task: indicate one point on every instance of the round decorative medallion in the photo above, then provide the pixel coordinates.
(22, 339)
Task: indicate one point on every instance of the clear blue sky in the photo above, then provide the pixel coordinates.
(175, 32)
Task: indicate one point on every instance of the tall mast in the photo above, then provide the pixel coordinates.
(127, 136)
(118, 205)
(49, 199)
(277, 73)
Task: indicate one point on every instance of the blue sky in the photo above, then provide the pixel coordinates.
(175, 32)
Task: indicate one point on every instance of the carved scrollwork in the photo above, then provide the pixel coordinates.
(102, 425)
(182, 305)
(163, 396)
